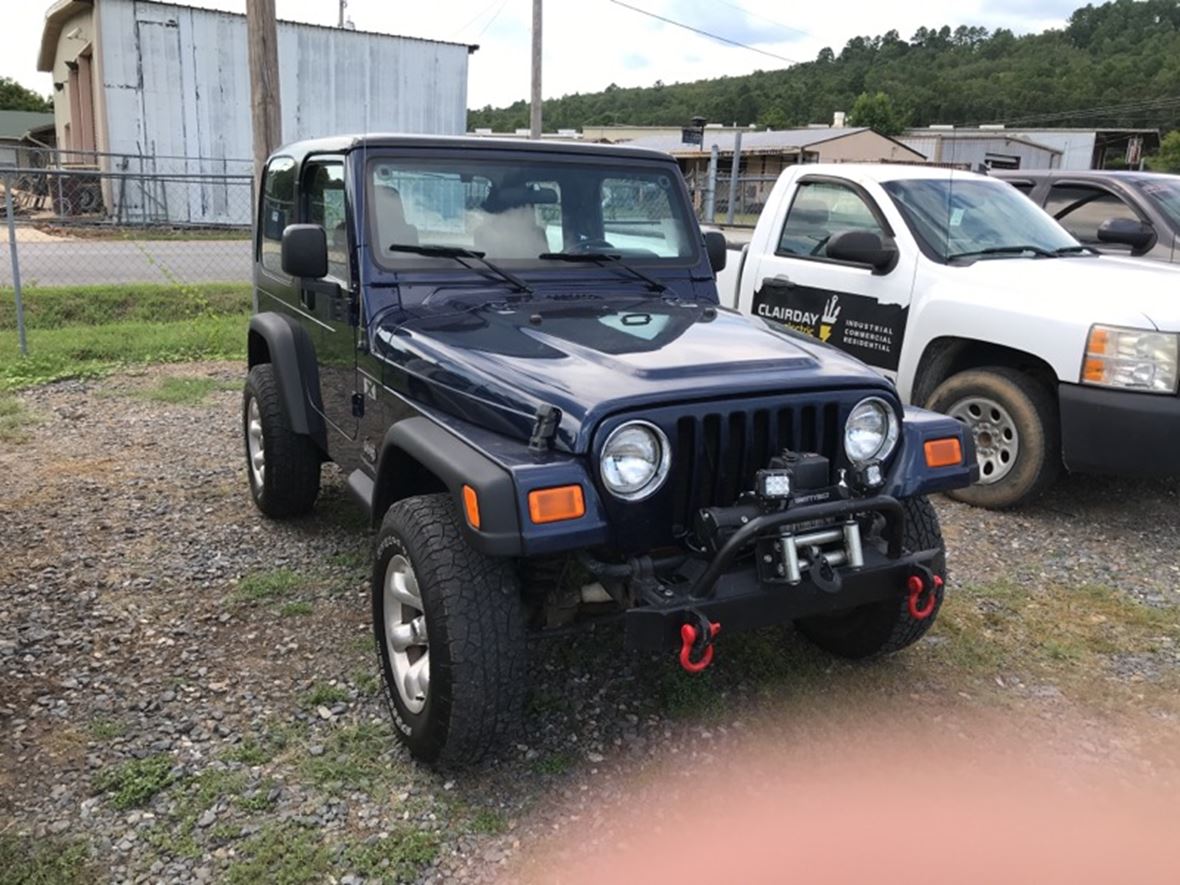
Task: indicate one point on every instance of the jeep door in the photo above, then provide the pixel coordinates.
(849, 305)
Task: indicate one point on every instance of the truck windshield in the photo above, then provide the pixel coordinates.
(1165, 193)
(970, 217)
(515, 211)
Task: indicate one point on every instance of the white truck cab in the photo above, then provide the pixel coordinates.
(980, 305)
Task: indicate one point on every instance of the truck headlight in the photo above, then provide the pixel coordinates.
(871, 431)
(1133, 359)
(635, 460)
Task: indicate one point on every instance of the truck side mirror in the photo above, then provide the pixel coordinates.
(305, 251)
(717, 250)
(863, 247)
(1139, 235)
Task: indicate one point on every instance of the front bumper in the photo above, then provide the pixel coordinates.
(1119, 432)
(739, 600)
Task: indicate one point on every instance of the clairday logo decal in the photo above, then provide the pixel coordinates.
(861, 326)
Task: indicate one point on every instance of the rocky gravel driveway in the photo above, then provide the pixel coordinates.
(188, 692)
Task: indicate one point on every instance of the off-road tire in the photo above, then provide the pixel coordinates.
(477, 637)
(291, 480)
(1034, 412)
(881, 628)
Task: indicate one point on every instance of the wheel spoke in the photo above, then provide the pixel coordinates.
(417, 679)
(401, 637)
(401, 590)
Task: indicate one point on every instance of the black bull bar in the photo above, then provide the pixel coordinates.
(739, 600)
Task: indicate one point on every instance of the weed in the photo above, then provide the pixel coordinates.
(25, 860)
(489, 822)
(398, 857)
(366, 682)
(103, 729)
(135, 781)
(14, 420)
(263, 586)
(325, 693)
(282, 854)
(353, 758)
(57, 307)
(186, 391)
(295, 609)
(553, 763)
(350, 559)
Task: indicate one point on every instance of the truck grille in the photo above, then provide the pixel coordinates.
(718, 453)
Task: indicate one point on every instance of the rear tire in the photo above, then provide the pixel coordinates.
(283, 467)
(995, 402)
(436, 597)
(887, 626)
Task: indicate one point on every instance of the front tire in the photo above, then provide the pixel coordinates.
(283, 467)
(450, 631)
(1017, 439)
(881, 628)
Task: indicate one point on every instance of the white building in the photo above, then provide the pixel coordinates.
(134, 78)
(1011, 147)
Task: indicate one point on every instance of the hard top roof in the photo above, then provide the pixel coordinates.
(347, 143)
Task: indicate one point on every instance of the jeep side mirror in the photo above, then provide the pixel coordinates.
(863, 247)
(1139, 235)
(305, 251)
(717, 250)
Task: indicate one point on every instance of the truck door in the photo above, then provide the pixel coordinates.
(793, 281)
(329, 301)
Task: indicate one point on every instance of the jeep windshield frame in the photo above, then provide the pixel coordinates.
(515, 206)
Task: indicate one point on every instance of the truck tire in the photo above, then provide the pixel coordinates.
(450, 629)
(283, 467)
(1017, 438)
(884, 627)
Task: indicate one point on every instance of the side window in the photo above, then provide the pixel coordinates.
(278, 210)
(323, 204)
(819, 211)
(1081, 209)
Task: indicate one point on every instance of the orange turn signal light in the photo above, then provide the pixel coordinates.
(944, 452)
(471, 506)
(556, 504)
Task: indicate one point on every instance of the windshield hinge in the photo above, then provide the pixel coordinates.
(544, 428)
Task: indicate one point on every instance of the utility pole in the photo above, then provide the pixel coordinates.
(265, 110)
(535, 106)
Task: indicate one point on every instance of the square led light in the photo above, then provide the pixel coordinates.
(774, 483)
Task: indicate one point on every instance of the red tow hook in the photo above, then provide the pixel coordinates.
(921, 611)
(690, 638)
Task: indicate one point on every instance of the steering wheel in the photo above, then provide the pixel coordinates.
(591, 244)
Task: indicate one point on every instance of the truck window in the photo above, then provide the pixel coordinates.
(323, 204)
(820, 210)
(1081, 209)
(278, 210)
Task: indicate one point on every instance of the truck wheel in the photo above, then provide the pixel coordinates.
(283, 466)
(887, 626)
(1017, 439)
(450, 630)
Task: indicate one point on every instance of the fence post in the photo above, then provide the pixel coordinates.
(20, 310)
(711, 188)
(733, 175)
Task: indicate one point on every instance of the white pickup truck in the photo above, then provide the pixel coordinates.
(980, 305)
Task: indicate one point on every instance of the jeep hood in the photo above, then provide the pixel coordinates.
(495, 365)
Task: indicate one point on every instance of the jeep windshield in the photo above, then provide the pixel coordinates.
(516, 211)
(969, 219)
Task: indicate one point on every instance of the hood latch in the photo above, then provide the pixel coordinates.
(544, 428)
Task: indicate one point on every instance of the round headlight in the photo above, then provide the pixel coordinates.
(871, 431)
(635, 460)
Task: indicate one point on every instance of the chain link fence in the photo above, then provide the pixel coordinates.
(722, 200)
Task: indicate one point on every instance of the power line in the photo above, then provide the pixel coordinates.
(761, 17)
(711, 36)
(1135, 107)
(467, 24)
(492, 20)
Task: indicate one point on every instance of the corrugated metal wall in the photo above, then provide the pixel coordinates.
(176, 84)
(973, 151)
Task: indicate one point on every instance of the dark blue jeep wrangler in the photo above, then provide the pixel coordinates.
(514, 353)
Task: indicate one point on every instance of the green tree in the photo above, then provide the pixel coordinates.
(1168, 158)
(15, 97)
(878, 112)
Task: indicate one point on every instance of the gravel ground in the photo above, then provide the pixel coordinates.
(188, 692)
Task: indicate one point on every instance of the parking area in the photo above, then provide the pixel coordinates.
(189, 691)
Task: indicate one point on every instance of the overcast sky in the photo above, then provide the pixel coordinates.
(592, 43)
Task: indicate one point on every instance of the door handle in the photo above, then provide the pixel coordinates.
(781, 280)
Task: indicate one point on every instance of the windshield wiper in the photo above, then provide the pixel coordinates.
(459, 253)
(606, 258)
(1076, 250)
(1005, 250)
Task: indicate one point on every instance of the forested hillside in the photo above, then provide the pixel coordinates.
(1114, 64)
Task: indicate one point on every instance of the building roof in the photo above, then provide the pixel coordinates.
(63, 10)
(756, 141)
(342, 143)
(979, 135)
(15, 124)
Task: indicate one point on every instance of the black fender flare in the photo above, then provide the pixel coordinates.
(293, 356)
(456, 464)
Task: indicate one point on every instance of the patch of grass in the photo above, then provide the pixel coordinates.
(25, 860)
(267, 585)
(258, 751)
(553, 763)
(295, 609)
(351, 559)
(326, 694)
(135, 781)
(186, 391)
(283, 854)
(92, 351)
(106, 729)
(352, 760)
(399, 857)
(366, 681)
(58, 307)
(14, 420)
(258, 799)
(489, 822)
